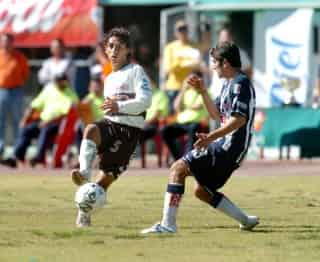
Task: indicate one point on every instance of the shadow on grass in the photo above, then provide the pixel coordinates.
(287, 228)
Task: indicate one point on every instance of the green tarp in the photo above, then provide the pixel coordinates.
(292, 126)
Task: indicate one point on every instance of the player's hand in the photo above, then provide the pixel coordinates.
(110, 106)
(197, 83)
(202, 142)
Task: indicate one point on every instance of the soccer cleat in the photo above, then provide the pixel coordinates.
(83, 219)
(158, 228)
(78, 178)
(251, 223)
(10, 162)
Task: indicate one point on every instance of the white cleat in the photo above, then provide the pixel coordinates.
(79, 178)
(158, 228)
(83, 219)
(251, 223)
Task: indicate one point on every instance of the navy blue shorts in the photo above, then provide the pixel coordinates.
(211, 168)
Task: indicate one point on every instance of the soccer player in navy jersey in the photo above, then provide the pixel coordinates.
(217, 154)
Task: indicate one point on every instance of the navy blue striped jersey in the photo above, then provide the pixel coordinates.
(237, 97)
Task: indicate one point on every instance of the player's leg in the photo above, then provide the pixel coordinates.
(88, 151)
(115, 149)
(104, 180)
(175, 190)
(225, 205)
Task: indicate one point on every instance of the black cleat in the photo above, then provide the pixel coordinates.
(9, 162)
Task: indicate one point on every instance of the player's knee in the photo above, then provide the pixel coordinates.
(91, 131)
(198, 192)
(178, 171)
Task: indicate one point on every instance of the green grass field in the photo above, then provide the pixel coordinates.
(37, 222)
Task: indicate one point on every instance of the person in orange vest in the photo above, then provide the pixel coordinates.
(14, 72)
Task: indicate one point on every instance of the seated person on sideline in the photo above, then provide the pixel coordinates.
(90, 106)
(95, 98)
(52, 104)
(217, 154)
(158, 110)
(190, 112)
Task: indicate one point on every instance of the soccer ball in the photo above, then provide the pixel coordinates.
(90, 196)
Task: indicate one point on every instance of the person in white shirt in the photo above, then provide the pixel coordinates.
(57, 64)
(127, 93)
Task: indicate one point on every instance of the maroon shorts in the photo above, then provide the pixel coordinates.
(118, 143)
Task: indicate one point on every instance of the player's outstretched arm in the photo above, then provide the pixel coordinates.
(232, 124)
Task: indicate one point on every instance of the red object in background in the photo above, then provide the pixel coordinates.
(65, 137)
(259, 119)
(35, 23)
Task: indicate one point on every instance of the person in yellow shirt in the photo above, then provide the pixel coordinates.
(90, 107)
(180, 58)
(158, 110)
(190, 113)
(42, 119)
(95, 98)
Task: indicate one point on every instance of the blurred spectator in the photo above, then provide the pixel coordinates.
(41, 120)
(14, 71)
(180, 58)
(90, 106)
(225, 35)
(101, 64)
(205, 45)
(95, 98)
(190, 113)
(57, 64)
(157, 112)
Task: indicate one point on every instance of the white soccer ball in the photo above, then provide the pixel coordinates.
(90, 196)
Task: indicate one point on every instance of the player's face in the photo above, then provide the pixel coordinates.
(117, 52)
(217, 66)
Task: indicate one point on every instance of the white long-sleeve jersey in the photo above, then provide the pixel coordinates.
(131, 87)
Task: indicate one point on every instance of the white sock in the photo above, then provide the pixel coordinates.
(88, 152)
(231, 210)
(170, 209)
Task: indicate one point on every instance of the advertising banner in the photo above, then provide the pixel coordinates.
(35, 23)
(288, 56)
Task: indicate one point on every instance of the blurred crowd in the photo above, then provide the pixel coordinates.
(176, 114)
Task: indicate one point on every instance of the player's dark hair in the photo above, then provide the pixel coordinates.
(121, 33)
(228, 51)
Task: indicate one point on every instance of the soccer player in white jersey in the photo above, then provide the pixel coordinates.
(127, 93)
(215, 155)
